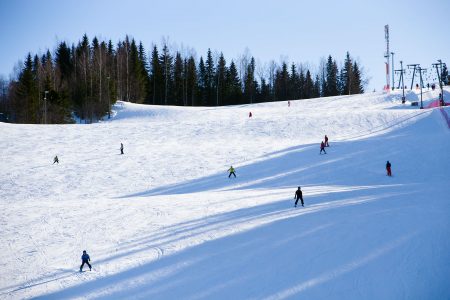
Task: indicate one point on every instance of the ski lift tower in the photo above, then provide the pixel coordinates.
(387, 56)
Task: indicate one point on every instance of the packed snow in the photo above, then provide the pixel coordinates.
(164, 221)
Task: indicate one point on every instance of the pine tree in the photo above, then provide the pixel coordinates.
(209, 79)
(316, 87)
(156, 78)
(165, 61)
(191, 82)
(347, 75)
(444, 75)
(234, 90)
(301, 84)
(294, 84)
(309, 85)
(356, 82)
(27, 95)
(178, 80)
(331, 77)
(249, 83)
(282, 83)
(221, 72)
(202, 83)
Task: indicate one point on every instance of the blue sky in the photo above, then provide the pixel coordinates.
(300, 31)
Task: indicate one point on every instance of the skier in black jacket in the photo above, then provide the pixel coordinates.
(85, 260)
(298, 195)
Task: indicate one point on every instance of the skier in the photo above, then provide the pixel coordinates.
(289, 103)
(388, 168)
(322, 148)
(56, 160)
(231, 170)
(85, 260)
(326, 141)
(250, 114)
(121, 148)
(298, 195)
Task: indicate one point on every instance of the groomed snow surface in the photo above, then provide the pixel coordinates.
(164, 221)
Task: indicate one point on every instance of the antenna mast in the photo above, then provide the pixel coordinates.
(387, 55)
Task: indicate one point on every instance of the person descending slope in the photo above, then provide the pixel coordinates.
(322, 148)
(85, 260)
(388, 168)
(56, 160)
(231, 170)
(298, 195)
(326, 141)
(121, 148)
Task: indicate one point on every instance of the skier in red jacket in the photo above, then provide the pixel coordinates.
(388, 168)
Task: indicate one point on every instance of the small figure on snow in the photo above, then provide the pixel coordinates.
(56, 160)
(231, 170)
(388, 168)
(298, 195)
(289, 103)
(250, 114)
(326, 141)
(322, 148)
(85, 260)
(121, 148)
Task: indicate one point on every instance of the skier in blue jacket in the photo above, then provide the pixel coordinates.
(85, 260)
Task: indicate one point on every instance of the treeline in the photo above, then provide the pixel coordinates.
(83, 81)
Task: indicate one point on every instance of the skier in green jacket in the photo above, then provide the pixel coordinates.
(231, 170)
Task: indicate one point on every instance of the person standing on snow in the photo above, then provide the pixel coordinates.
(231, 170)
(322, 148)
(121, 148)
(298, 195)
(250, 114)
(326, 141)
(56, 160)
(85, 260)
(388, 168)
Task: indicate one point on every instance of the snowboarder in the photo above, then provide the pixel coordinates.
(85, 260)
(289, 103)
(121, 148)
(326, 141)
(250, 114)
(322, 148)
(388, 168)
(298, 195)
(56, 160)
(231, 170)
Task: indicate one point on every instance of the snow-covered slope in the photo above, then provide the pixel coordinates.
(164, 221)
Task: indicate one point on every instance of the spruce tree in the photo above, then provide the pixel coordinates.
(331, 77)
(356, 87)
(202, 83)
(165, 61)
(221, 72)
(178, 80)
(209, 79)
(347, 75)
(191, 82)
(234, 90)
(156, 78)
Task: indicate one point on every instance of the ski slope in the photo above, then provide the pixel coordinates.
(164, 221)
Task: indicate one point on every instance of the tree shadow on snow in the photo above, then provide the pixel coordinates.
(271, 256)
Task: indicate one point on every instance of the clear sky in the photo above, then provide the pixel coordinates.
(301, 31)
